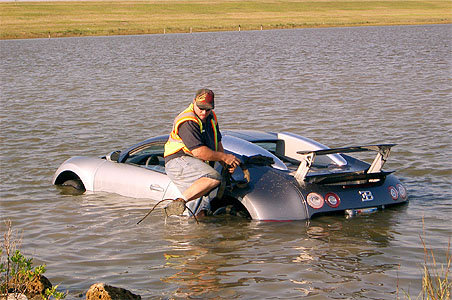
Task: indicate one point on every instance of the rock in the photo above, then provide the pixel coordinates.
(31, 289)
(102, 291)
(37, 287)
(13, 296)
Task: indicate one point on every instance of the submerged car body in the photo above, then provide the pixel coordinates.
(297, 179)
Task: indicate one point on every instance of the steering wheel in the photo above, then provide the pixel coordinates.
(153, 160)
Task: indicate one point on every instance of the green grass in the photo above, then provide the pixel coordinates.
(82, 18)
(436, 277)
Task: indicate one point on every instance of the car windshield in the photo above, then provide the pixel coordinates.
(148, 155)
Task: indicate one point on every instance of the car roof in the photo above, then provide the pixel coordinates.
(247, 135)
(251, 135)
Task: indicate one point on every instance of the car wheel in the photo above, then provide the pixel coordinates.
(232, 210)
(75, 183)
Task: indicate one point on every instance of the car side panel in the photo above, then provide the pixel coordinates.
(131, 181)
(271, 195)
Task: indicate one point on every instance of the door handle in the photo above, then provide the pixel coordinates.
(156, 187)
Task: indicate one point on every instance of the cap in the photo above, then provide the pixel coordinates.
(205, 99)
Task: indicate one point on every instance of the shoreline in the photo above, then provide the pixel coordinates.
(74, 18)
(209, 31)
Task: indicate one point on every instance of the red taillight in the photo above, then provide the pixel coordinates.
(315, 200)
(332, 200)
(393, 192)
(402, 190)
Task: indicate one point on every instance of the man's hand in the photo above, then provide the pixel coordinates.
(206, 153)
(231, 162)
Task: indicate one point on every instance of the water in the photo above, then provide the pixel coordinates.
(339, 86)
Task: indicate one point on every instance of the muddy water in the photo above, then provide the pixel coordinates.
(341, 86)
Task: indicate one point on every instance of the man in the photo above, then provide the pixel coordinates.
(192, 148)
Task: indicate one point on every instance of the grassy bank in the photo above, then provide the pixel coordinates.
(84, 18)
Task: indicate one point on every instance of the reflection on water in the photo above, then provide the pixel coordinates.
(340, 86)
(295, 262)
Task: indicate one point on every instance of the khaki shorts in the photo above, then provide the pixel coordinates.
(184, 171)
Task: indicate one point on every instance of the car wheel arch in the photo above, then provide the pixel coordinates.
(230, 205)
(69, 178)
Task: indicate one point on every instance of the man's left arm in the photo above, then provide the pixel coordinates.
(205, 153)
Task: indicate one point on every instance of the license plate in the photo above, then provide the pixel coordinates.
(359, 211)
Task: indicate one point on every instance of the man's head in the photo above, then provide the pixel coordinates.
(204, 99)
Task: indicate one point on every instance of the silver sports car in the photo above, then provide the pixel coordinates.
(284, 176)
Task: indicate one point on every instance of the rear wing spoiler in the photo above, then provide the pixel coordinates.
(308, 158)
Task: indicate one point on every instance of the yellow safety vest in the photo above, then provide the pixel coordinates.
(175, 143)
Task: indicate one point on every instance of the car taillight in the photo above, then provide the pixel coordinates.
(315, 200)
(332, 200)
(393, 192)
(402, 191)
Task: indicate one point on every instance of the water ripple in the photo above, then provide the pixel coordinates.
(340, 86)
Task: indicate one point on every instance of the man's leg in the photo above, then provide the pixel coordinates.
(200, 188)
(194, 179)
(199, 203)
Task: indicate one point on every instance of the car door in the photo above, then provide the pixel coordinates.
(141, 175)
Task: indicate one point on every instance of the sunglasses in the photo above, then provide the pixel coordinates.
(206, 110)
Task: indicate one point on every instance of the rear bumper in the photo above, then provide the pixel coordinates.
(321, 199)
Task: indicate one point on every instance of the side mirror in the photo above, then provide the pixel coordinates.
(113, 156)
